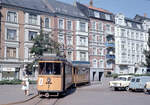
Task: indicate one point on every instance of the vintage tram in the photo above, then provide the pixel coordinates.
(81, 73)
(55, 76)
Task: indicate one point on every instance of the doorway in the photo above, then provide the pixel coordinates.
(94, 75)
(100, 75)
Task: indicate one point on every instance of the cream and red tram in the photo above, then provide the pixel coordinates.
(55, 76)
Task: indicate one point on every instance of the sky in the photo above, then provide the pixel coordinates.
(128, 7)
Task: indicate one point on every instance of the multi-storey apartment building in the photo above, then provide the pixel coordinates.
(101, 35)
(130, 41)
(22, 20)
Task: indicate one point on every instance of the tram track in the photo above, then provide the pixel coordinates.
(49, 101)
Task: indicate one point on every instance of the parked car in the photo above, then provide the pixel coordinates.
(122, 82)
(147, 87)
(138, 83)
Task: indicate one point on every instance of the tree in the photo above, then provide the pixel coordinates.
(147, 52)
(42, 43)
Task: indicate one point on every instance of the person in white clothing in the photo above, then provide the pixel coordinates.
(25, 85)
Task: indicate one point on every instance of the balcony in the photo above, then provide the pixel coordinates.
(109, 44)
(110, 56)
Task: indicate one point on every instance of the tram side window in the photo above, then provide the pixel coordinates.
(41, 68)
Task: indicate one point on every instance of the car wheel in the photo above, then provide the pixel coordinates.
(127, 88)
(116, 89)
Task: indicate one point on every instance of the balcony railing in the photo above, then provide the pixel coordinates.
(110, 56)
(109, 44)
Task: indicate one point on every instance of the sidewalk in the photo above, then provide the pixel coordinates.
(14, 93)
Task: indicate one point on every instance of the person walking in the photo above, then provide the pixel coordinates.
(25, 85)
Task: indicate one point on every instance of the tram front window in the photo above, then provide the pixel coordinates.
(50, 69)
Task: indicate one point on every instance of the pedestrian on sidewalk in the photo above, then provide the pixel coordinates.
(25, 85)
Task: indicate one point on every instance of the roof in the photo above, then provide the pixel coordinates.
(48, 6)
(64, 8)
(99, 9)
(28, 4)
(141, 18)
(97, 13)
(134, 23)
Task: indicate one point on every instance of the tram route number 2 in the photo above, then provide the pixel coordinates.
(40, 81)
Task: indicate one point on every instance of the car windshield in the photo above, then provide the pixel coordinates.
(121, 78)
(129, 78)
(138, 80)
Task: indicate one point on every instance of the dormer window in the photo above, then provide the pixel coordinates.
(138, 26)
(11, 16)
(107, 17)
(96, 14)
(129, 24)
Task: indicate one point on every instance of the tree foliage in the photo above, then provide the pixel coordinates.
(42, 43)
(147, 52)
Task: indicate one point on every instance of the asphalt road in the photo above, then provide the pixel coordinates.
(96, 94)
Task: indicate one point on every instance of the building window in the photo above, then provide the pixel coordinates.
(94, 63)
(82, 56)
(29, 53)
(69, 25)
(61, 24)
(61, 38)
(94, 38)
(94, 25)
(11, 16)
(32, 35)
(47, 22)
(82, 26)
(100, 26)
(33, 19)
(101, 51)
(11, 34)
(108, 28)
(122, 32)
(69, 40)
(94, 51)
(11, 52)
(82, 41)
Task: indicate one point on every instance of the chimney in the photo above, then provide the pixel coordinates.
(74, 3)
(91, 2)
(145, 15)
